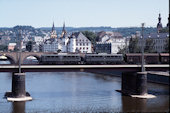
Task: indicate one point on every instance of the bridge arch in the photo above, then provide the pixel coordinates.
(10, 58)
(24, 58)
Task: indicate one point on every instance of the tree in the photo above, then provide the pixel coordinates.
(149, 46)
(3, 47)
(166, 46)
(29, 46)
(91, 36)
(133, 45)
(123, 50)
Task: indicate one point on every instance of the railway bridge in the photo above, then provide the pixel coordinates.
(13, 57)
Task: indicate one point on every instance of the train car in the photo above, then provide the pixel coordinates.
(60, 59)
(164, 58)
(103, 58)
(135, 58)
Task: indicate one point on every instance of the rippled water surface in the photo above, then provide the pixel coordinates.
(79, 92)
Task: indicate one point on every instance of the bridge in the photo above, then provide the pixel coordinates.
(85, 68)
(133, 84)
(14, 56)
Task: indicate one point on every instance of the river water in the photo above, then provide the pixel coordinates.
(79, 92)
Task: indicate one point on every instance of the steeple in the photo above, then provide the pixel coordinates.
(159, 25)
(168, 23)
(63, 30)
(53, 27)
(53, 32)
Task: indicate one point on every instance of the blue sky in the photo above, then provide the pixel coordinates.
(83, 13)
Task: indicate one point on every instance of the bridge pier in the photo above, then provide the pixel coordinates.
(18, 89)
(134, 84)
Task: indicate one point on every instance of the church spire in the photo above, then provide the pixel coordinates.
(53, 27)
(159, 25)
(63, 30)
(53, 32)
(168, 23)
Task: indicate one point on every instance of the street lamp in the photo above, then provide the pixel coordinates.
(19, 52)
(142, 49)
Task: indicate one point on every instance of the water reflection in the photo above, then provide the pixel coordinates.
(130, 104)
(5, 62)
(18, 107)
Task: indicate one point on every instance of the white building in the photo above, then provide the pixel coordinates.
(50, 45)
(38, 40)
(112, 41)
(77, 42)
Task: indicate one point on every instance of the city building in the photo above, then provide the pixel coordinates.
(159, 39)
(38, 40)
(103, 48)
(77, 42)
(110, 42)
(11, 46)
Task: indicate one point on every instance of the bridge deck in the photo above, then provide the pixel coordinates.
(46, 68)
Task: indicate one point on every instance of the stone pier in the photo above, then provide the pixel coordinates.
(134, 84)
(18, 89)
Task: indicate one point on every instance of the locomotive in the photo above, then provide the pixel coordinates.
(103, 58)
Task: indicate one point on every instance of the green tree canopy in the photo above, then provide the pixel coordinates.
(29, 46)
(133, 45)
(3, 47)
(149, 46)
(166, 46)
(91, 36)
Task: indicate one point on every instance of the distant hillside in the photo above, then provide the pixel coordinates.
(125, 31)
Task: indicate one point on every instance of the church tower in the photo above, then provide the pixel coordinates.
(53, 32)
(168, 23)
(159, 25)
(64, 33)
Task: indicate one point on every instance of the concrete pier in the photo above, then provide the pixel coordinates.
(18, 85)
(134, 84)
(141, 83)
(18, 89)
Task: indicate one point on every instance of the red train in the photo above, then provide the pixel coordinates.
(150, 58)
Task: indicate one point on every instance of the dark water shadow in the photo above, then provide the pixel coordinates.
(18, 107)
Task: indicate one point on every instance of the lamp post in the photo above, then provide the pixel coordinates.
(19, 60)
(142, 49)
